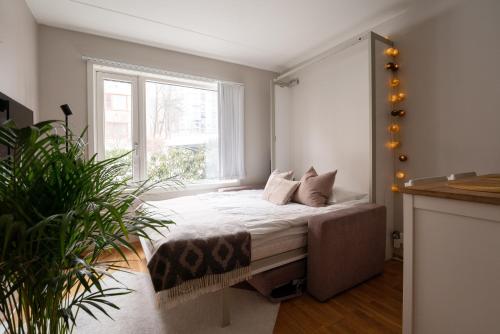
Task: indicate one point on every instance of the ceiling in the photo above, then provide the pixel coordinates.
(268, 34)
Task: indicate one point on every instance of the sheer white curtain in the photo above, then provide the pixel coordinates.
(231, 131)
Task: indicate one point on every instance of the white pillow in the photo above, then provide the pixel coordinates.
(341, 195)
(277, 174)
(279, 190)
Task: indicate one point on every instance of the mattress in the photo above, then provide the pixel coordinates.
(274, 245)
(274, 228)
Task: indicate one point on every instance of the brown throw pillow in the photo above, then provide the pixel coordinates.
(279, 190)
(314, 189)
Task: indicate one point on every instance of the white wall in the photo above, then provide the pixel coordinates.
(18, 53)
(451, 71)
(328, 115)
(282, 127)
(63, 80)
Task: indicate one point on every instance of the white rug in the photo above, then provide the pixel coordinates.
(250, 312)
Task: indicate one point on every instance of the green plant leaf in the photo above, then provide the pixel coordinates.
(60, 213)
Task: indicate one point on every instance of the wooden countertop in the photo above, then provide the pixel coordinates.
(462, 189)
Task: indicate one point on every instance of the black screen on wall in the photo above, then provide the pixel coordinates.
(20, 114)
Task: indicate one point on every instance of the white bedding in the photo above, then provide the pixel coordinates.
(268, 224)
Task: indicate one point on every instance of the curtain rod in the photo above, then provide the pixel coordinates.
(141, 68)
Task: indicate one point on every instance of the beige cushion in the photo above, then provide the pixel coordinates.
(279, 190)
(277, 174)
(314, 189)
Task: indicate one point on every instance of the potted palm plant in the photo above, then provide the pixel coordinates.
(60, 212)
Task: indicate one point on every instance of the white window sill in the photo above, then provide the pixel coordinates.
(188, 189)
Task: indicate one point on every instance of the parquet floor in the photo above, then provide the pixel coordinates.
(373, 307)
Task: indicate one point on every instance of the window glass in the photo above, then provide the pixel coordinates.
(181, 132)
(118, 121)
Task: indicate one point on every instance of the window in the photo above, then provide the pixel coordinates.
(181, 132)
(170, 124)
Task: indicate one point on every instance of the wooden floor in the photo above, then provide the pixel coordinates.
(373, 307)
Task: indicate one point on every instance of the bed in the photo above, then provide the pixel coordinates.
(275, 229)
(278, 234)
(346, 239)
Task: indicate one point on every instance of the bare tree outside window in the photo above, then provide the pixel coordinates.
(172, 127)
(181, 132)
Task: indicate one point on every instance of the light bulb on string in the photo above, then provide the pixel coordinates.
(394, 128)
(394, 188)
(393, 144)
(403, 157)
(392, 66)
(393, 52)
(400, 175)
(397, 97)
(394, 82)
(398, 112)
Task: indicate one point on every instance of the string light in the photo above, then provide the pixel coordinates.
(392, 52)
(394, 82)
(398, 112)
(392, 66)
(397, 97)
(393, 144)
(394, 128)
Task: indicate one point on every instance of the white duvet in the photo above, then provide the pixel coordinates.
(264, 220)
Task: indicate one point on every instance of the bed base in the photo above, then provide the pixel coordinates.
(259, 267)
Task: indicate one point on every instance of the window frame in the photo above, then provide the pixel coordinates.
(100, 107)
(96, 73)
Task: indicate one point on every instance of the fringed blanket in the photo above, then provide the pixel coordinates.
(194, 261)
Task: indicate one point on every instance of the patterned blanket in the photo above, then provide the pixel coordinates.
(195, 261)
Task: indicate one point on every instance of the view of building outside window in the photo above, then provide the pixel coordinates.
(118, 121)
(181, 132)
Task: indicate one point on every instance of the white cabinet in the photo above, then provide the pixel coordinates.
(451, 278)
